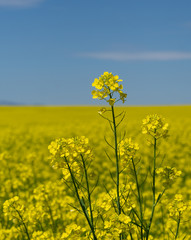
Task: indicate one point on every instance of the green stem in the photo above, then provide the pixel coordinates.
(131, 235)
(25, 227)
(78, 197)
(50, 212)
(178, 226)
(88, 190)
(154, 170)
(41, 227)
(154, 189)
(139, 198)
(117, 164)
(117, 160)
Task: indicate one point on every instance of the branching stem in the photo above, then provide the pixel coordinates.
(154, 189)
(177, 229)
(139, 198)
(88, 189)
(23, 222)
(80, 201)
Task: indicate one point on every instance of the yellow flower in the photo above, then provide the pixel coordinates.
(127, 150)
(124, 219)
(111, 101)
(168, 175)
(106, 85)
(177, 207)
(122, 96)
(102, 110)
(155, 126)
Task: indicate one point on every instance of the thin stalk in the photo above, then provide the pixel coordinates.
(154, 170)
(25, 227)
(51, 216)
(154, 189)
(139, 198)
(136, 214)
(131, 235)
(117, 165)
(88, 190)
(177, 230)
(41, 227)
(117, 160)
(82, 206)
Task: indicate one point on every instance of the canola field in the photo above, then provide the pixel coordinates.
(39, 202)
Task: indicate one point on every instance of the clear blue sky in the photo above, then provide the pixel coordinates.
(51, 50)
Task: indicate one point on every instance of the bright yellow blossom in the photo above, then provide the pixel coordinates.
(127, 150)
(106, 86)
(155, 126)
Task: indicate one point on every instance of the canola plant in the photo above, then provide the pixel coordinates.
(111, 172)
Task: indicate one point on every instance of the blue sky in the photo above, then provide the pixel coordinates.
(51, 50)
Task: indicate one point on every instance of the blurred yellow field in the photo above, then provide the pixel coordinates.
(46, 203)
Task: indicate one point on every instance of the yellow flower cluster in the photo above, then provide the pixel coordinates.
(73, 230)
(13, 208)
(117, 224)
(105, 202)
(10, 234)
(155, 126)
(40, 235)
(168, 175)
(107, 85)
(177, 207)
(71, 149)
(127, 150)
